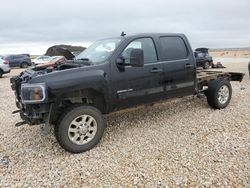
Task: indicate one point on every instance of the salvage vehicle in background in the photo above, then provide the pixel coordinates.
(110, 75)
(203, 59)
(68, 51)
(41, 59)
(18, 60)
(54, 61)
(4, 67)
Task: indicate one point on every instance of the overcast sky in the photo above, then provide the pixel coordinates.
(30, 26)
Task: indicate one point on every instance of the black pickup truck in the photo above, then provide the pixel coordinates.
(113, 74)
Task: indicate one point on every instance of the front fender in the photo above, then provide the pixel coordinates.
(60, 83)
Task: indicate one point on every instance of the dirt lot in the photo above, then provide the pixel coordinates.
(181, 142)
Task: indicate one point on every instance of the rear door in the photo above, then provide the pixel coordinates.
(179, 66)
(16, 60)
(11, 60)
(136, 85)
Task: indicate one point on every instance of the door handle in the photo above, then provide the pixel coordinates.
(187, 66)
(156, 70)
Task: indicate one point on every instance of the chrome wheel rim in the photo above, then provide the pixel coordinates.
(24, 65)
(207, 65)
(223, 94)
(82, 129)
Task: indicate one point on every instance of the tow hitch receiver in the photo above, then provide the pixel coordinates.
(20, 123)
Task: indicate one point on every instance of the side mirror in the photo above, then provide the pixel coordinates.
(136, 58)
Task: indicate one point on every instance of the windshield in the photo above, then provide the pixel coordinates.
(99, 51)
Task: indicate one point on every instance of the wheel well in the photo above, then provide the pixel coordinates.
(205, 82)
(85, 96)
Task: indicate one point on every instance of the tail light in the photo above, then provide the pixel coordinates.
(6, 62)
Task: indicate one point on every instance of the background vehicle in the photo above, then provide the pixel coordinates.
(113, 74)
(202, 58)
(41, 60)
(19, 60)
(4, 67)
(54, 60)
(68, 51)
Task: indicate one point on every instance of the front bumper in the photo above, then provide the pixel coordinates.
(7, 71)
(30, 113)
(33, 114)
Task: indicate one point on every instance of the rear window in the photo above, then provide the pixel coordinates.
(173, 48)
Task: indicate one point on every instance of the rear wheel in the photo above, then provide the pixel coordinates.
(24, 65)
(219, 93)
(1, 73)
(80, 128)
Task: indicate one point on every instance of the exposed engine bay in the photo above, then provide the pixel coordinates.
(36, 71)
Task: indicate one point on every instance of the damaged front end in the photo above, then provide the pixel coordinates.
(31, 99)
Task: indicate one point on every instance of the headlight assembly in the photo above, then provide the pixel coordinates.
(33, 93)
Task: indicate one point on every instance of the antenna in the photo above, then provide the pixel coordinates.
(123, 34)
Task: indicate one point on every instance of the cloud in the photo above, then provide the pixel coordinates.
(215, 23)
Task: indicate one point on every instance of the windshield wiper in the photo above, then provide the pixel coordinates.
(83, 59)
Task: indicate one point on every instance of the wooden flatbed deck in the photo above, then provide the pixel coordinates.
(205, 76)
(209, 75)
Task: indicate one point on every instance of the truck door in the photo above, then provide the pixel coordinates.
(135, 85)
(179, 66)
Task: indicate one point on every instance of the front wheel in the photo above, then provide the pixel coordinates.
(219, 93)
(80, 128)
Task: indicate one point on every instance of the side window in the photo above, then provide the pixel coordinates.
(18, 56)
(9, 57)
(148, 47)
(173, 48)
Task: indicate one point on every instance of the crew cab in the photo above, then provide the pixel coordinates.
(110, 75)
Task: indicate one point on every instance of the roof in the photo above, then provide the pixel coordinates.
(154, 34)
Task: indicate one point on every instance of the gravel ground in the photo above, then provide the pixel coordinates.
(181, 142)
